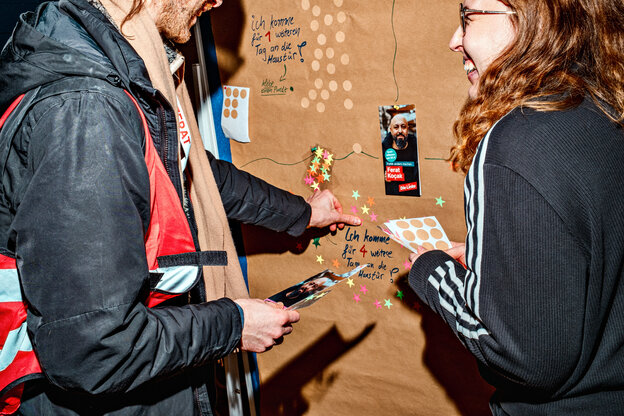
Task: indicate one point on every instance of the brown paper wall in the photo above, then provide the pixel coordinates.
(349, 357)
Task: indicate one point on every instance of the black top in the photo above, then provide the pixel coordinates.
(541, 304)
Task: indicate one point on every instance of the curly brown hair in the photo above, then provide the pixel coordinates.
(564, 51)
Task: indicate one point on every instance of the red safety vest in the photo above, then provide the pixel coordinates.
(170, 253)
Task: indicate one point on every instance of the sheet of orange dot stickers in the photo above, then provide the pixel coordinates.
(358, 98)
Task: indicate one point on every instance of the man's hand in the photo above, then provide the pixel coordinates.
(326, 210)
(457, 251)
(265, 324)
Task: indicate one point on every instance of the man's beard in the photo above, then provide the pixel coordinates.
(174, 22)
(401, 141)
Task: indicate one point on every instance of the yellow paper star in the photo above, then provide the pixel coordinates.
(315, 186)
(350, 282)
(319, 151)
(365, 209)
(319, 259)
(329, 158)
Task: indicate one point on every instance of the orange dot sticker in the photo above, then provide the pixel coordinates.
(428, 246)
(234, 103)
(243, 94)
(228, 92)
(441, 245)
(402, 224)
(226, 113)
(430, 222)
(416, 223)
(234, 113)
(408, 235)
(414, 246)
(226, 102)
(436, 233)
(422, 234)
(235, 93)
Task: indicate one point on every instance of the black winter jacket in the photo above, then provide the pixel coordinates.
(74, 207)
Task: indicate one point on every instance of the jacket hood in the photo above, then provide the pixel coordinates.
(35, 55)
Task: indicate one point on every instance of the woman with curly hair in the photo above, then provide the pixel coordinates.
(536, 293)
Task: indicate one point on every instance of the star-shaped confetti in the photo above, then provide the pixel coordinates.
(319, 259)
(315, 186)
(440, 201)
(316, 242)
(407, 264)
(371, 201)
(326, 176)
(365, 209)
(350, 282)
(355, 195)
(399, 294)
(356, 297)
(387, 303)
(319, 151)
(309, 180)
(377, 304)
(335, 263)
(325, 154)
(373, 217)
(363, 289)
(354, 210)
(316, 160)
(329, 159)
(312, 169)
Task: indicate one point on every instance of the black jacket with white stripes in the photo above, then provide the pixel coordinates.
(541, 302)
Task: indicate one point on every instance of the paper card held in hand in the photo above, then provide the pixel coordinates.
(307, 292)
(411, 233)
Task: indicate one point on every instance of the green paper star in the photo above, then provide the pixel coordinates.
(326, 176)
(316, 160)
(440, 201)
(388, 303)
(356, 195)
(316, 242)
(400, 294)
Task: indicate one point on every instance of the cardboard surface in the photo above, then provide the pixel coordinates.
(369, 348)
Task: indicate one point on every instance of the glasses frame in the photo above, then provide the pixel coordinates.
(463, 11)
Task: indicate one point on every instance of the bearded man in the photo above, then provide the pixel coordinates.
(120, 277)
(400, 150)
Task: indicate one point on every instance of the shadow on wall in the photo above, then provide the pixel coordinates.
(448, 360)
(281, 394)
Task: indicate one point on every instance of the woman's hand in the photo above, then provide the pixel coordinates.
(457, 252)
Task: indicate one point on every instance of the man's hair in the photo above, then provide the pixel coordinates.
(137, 5)
(564, 50)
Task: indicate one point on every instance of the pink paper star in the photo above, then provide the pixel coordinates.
(356, 297)
(363, 289)
(309, 180)
(325, 154)
(354, 210)
(373, 217)
(377, 304)
(407, 264)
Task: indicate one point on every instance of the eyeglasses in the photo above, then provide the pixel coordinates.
(464, 11)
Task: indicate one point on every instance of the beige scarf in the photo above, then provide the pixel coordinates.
(213, 228)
